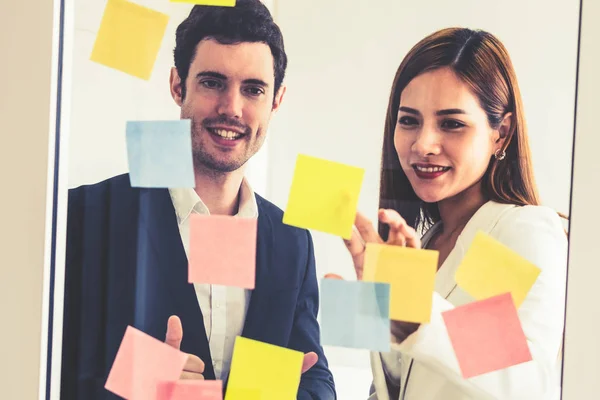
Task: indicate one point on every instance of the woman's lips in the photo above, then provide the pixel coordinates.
(429, 171)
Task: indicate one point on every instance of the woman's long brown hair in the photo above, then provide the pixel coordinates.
(481, 61)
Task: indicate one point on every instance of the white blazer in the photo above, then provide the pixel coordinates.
(537, 234)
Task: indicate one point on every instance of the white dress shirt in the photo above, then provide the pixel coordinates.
(223, 308)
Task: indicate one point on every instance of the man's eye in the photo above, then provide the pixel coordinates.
(210, 84)
(255, 91)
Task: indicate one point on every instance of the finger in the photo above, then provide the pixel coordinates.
(395, 222)
(356, 243)
(400, 232)
(194, 364)
(310, 359)
(366, 229)
(191, 375)
(333, 276)
(174, 334)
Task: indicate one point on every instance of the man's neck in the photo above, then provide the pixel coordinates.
(219, 192)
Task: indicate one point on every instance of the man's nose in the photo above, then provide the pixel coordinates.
(231, 104)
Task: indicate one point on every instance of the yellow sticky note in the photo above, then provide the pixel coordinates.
(490, 268)
(323, 196)
(129, 38)
(222, 3)
(411, 275)
(263, 371)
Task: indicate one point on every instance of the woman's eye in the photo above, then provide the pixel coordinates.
(452, 124)
(408, 121)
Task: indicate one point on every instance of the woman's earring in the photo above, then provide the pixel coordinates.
(500, 154)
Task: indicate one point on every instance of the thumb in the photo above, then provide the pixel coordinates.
(310, 359)
(174, 332)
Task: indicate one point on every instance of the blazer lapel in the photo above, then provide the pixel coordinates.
(158, 224)
(483, 220)
(257, 309)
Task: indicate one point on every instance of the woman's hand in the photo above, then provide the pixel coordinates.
(400, 235)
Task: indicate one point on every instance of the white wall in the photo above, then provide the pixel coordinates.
(343, 56)
(27, 122)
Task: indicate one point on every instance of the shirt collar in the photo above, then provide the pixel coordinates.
(186, 201)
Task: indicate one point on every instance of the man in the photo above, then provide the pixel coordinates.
(126, 247)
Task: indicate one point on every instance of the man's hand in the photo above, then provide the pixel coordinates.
(194, 367)
(310, 359)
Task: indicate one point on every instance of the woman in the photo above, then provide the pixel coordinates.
(455, 143)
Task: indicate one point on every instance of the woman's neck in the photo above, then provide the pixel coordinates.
(455, 212)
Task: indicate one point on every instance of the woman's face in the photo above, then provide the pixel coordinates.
(442, 137)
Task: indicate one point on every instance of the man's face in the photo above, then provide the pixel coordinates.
(229, 99)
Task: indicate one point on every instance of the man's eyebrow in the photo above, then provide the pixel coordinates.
(211, 74)
(218, 75)
(258, 82)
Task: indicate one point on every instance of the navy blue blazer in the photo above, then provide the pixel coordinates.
(126, 265)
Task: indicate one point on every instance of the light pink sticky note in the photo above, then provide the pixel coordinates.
(487, 335)
(190, 390)
(141, 362)
(222, 250)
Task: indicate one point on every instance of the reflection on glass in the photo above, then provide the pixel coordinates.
(459, 156)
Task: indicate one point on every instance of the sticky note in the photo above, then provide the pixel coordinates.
(190, 390)
(411, 275)
(490, 268)
(323, 196)
(263, 371)
(141, 363)
(487, 335)
(129, 38)
(222, 3)
(222, 250)
(159, 154)
(355, 314)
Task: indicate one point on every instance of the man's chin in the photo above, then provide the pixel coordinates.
(221, 166)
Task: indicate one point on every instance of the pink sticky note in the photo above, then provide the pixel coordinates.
(190, 390)
(141, 363)
(222, 250)
(487, 335)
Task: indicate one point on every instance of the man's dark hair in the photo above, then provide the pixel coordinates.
(248, 21)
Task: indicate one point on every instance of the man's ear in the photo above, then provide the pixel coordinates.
(504, 129)
(176, 87)
(278, 99)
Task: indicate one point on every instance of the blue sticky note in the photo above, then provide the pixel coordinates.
(160, 154)
(355, 314)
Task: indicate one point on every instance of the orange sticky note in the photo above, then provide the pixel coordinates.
(129, 38)
(487, 335)
(190, 390)
(323, 196)
(262, 371)
(141, 363)
(490, 268)
(411, 275)
(222, 250)
(222, 3)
